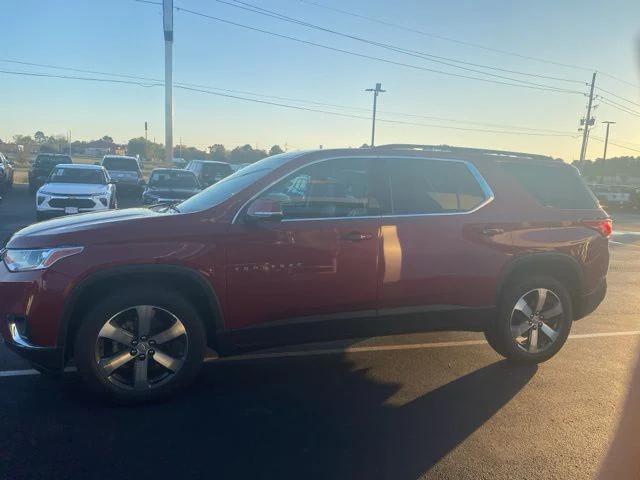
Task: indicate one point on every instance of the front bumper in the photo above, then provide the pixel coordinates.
(56, 206)
(45, 359)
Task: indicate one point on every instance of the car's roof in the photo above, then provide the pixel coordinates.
(210, 161)
(121, 156)
(182, 170)
(80, 166)
(437, 151)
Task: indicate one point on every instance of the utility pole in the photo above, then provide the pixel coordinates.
(375, 91)
(606, 139)
(146, 142)
(606, 143)
(167, 6)
(587, 122)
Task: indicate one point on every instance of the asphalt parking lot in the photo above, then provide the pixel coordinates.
(436, 405)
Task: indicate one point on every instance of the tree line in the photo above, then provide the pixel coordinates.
(623, 167)
(39, 142)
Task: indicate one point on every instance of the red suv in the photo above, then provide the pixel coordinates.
(311, 246)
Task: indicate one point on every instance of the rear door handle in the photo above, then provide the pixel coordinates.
(490, 232)
(357, 236)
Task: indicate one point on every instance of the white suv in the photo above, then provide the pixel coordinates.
(75, 188)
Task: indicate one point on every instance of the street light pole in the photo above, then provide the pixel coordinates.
(168, 79)
(375, 91)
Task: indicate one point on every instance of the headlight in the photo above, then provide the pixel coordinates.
(37, 259)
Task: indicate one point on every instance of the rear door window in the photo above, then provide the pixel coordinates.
(556, 186)
(120, 164)
(423, 186)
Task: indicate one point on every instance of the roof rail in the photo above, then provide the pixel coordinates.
(464, 150)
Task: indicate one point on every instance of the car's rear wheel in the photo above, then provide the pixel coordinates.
(140, 345)
(534, 320)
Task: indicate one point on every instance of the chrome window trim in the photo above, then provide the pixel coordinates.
(486, 189)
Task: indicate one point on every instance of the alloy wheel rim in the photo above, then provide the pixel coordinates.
(536, 320)
(141, 347)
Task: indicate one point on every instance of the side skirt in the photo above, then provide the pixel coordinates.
(322, 328)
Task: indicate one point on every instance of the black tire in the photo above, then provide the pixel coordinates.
(94, 320)
(40, 216)
(499, 334)
(32, 189)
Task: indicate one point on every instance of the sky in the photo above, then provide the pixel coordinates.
(125, 37)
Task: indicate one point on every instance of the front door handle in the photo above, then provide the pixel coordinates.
(357, 236)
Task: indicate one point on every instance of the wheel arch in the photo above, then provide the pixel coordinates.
(186, 281)
(564, 268)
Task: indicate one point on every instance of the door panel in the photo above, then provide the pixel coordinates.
(322, 259)
(283, 270)
(433, 251)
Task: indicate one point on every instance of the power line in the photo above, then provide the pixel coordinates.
(631, 84)
(522, 84)
(442, 37)
(70, 77)
(290, 99)
(283, 105)
(616, 144)
(618, 106)
(618, 97)
(414, 53)
(465, 43)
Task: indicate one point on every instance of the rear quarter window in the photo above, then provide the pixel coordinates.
(556, 186)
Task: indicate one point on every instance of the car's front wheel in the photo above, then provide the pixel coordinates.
(534, 320)
(140, 344)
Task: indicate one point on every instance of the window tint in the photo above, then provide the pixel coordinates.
(556, 186)
(76, 175)
(420, 186)
(329, 189)
(172, 179)
(50, 161)
(120, 164)
(216, 170)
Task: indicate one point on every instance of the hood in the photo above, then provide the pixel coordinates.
(82, 228)
(73, 188)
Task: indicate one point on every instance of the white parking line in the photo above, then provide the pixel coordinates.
(625, 244)
(341, 351)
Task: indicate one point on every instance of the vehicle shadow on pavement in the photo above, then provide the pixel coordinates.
(308, 418)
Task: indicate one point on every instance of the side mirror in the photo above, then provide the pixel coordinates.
(265, 209)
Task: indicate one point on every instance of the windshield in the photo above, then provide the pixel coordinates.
(233, 184)
(120, 163)
(172, 179)
(50, 161)
(77, 175)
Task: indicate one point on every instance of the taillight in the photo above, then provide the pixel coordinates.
(603, 226)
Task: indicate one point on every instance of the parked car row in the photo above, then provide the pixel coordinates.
(64, 188)
(617, 196)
